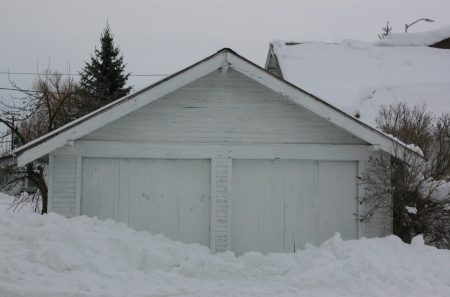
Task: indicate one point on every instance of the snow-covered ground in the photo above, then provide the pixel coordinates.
(54, 256)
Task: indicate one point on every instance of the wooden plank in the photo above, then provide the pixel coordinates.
(57, 195)
(63, 179)
(257, 206)
(212, 240)
(229, 207)
(360, 207)
(112, 149)
(221, 208)
(50, 183)
(63, 200)
(66, 184)
(300, 192)
(125, 180)
(65, 175)
(221, 228)
(78, 187)
(58, 204)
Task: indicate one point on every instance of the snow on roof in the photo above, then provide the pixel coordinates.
(359, 77)
(415, 39)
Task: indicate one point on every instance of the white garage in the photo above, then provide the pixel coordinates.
(222, 153)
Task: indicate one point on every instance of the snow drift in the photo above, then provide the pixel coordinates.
(53, 256)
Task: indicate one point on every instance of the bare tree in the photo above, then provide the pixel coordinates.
(408, 186)
(46, 107)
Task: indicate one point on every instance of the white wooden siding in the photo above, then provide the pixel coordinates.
(280, 205)
(171, 197)
(63, 198)
(223, 109)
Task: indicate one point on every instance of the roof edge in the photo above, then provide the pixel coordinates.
(110, 106)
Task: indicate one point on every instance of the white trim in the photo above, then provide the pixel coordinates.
(229, 203)
(224, 69)
(119, 149)
(361, 230)
(50, 184)
(103, 117)
(78, 188)
(311, 103)
(212, 226)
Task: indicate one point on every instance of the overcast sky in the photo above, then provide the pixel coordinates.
(158, 37)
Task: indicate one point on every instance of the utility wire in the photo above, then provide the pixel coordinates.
(45, 74)
(9, 89)
(33, 91)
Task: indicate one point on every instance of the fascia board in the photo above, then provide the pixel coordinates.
(115, 110)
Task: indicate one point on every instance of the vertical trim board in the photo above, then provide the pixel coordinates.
(229, 200)
(361, 226)
(50, 183)
(221, 190)
(78, 188)
(212, 228)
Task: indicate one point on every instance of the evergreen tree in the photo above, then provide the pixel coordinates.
(103, 79)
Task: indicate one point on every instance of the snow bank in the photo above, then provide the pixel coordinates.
(54, 256)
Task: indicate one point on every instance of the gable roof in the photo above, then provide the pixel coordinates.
(359, 77)
(221, 60)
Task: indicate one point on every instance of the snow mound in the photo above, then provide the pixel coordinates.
(53, 256)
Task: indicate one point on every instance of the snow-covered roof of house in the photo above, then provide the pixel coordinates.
(358, 77)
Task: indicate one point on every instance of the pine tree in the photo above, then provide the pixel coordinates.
(103, 79)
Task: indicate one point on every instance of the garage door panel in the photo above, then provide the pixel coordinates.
(300, 204)
(336, 200)
(258, 208)
(160, 196)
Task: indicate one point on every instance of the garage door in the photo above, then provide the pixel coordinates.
(160, 196)
(280, 205)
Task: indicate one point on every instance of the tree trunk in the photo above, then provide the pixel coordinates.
(37, 176)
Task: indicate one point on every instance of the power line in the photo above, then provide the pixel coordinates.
(46, 74)
(35, 91)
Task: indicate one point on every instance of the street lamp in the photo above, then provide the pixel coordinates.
(407, 26)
